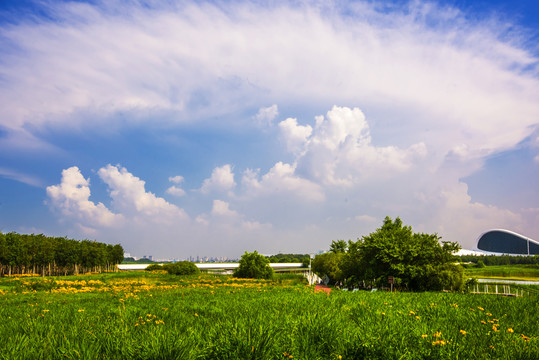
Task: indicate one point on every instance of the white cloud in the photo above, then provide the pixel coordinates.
(221, 208)
(222, 179)
(21, 177)
(340, 151)
(295, 135)
(266, 115)
(281, 179)
(71, 197)
(175, 191)
(178, 179)
(130, 197)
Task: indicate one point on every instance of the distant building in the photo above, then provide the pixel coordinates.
(500, 241)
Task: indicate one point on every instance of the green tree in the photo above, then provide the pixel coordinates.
(416, 260)
(254, 266)
(181, 268)
(329, 264)
(339, 246)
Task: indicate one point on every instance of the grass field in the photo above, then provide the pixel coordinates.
(159, 316)
(514, 272)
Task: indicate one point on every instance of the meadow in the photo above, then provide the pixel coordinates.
(159, 316)
(515, 272)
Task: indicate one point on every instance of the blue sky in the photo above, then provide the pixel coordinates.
(214, 128)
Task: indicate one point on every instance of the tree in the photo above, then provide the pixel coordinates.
(181, 268)
(338, 246)
(254, 266)
(329, 264)
(417, 261)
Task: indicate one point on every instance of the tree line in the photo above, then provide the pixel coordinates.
(44, 255)
(412, 261)
(500, 259)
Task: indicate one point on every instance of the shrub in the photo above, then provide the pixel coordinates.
(181, 268)
(153, 267)
(254, 266)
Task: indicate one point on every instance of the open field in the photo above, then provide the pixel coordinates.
(158, 316)
(514, 272)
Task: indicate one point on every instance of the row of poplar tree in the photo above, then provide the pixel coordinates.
(44, 255)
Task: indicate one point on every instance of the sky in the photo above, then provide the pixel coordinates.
(211, 128)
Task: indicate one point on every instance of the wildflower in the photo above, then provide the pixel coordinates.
(491, 346)
(494, 328)
(424, 336)
(411, 313)
(437, 334)
(383, 313)
(417, 317)
(455, 305)
(510, 330)
(483, 322)
(489, 314)
(524, 337)
(196, 314)
(462, 332)
(80, 310)
(45, 310)
(480, 308)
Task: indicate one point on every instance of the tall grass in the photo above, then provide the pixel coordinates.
(158, 316)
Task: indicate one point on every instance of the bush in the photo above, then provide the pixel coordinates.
(181, 268)
(153, 267)
(254, 266)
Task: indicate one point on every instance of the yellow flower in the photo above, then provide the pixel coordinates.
(417, 317)
(483, 322)
(510, 330)
(437, 334)
(463, 332)
(383, 313)
(494, 328)
(424, 336)
(81, 310)
(480, 308)
(489, 314)
(196, 314)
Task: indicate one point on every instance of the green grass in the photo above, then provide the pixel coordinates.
(514, 272)
(158, 316)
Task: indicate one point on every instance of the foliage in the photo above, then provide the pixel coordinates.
(181, 268)
(339, 246)
(145, 316)
(254, 266)
(489, 260)
(40, 254)
(329, 264)
(153, 267)
(417, 261)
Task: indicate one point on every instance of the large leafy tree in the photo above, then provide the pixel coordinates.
(416, 260)
(254, 266)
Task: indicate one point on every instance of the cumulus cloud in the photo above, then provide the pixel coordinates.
(266, 115)
(130, 197)
(176, 190)
(340, 150)
(281, 179)
(295, 135)
(71, 198)
(222, 179)
(222, 208)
